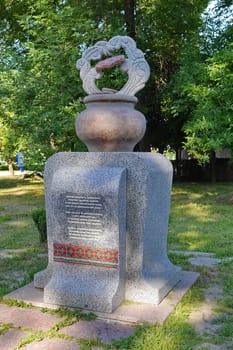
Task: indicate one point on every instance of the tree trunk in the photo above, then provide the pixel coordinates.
(213, 167)
(178, 164)
(130, 18)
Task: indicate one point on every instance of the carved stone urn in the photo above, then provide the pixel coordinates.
(110, 122)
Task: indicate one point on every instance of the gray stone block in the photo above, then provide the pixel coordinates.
(86, 229)
(149, 273)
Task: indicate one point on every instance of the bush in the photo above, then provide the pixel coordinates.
(3, 167)
(39, 218)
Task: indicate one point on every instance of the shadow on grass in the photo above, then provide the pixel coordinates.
(201, 218)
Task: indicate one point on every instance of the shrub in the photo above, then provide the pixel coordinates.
(39, 218)
(3, 167)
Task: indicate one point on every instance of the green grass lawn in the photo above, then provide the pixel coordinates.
(200, 220)
(21, 255)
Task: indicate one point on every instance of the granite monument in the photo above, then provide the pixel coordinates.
(107, 209)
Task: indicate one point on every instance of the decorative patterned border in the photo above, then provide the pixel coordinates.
(85, 255)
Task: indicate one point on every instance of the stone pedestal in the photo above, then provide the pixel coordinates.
(149, 273)
(107, 210)
(86, 217)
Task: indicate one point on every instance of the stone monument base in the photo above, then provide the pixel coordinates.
(78, 290)
(136, 230)
(127, 312)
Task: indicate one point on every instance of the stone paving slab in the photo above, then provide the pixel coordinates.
(11, 338)
(192, 253)
(106, 328)
(105, 331)
(127, 312)
(31, 295)
(27, 318)
(53, 344)
(204, 261)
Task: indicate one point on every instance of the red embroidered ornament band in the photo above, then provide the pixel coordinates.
(85, 255)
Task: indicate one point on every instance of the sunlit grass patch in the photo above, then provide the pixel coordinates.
(18, 234)
(4, 218)
(17, 231)
(199, 220)
(175, 334)
(20, 268)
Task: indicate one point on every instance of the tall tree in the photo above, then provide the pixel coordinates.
(43, 90)
(164, 28)
(130, 18)
(202, 89)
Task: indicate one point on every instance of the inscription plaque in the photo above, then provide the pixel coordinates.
(86, 230)
(84, 217)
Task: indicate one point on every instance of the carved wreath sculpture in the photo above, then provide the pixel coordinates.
(135, 65)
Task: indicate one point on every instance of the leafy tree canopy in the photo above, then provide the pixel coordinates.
(41, 92)
(201, 94)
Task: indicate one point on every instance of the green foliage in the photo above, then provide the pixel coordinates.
(39, 218)
(216, 30)
(199, 102)
(4, 327)
(3, 167)
(73, 313)
(175, 334)
(112, 79)
(188, 97)
(42, 95)
(17, 303)
(207, 94)
(41, 91)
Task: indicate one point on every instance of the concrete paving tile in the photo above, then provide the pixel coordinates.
(53, 344)
(28, 318)
(210, 347)
(192, 253)
(31, 295)
(204, 261)
(105, 331)
(11, 338)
